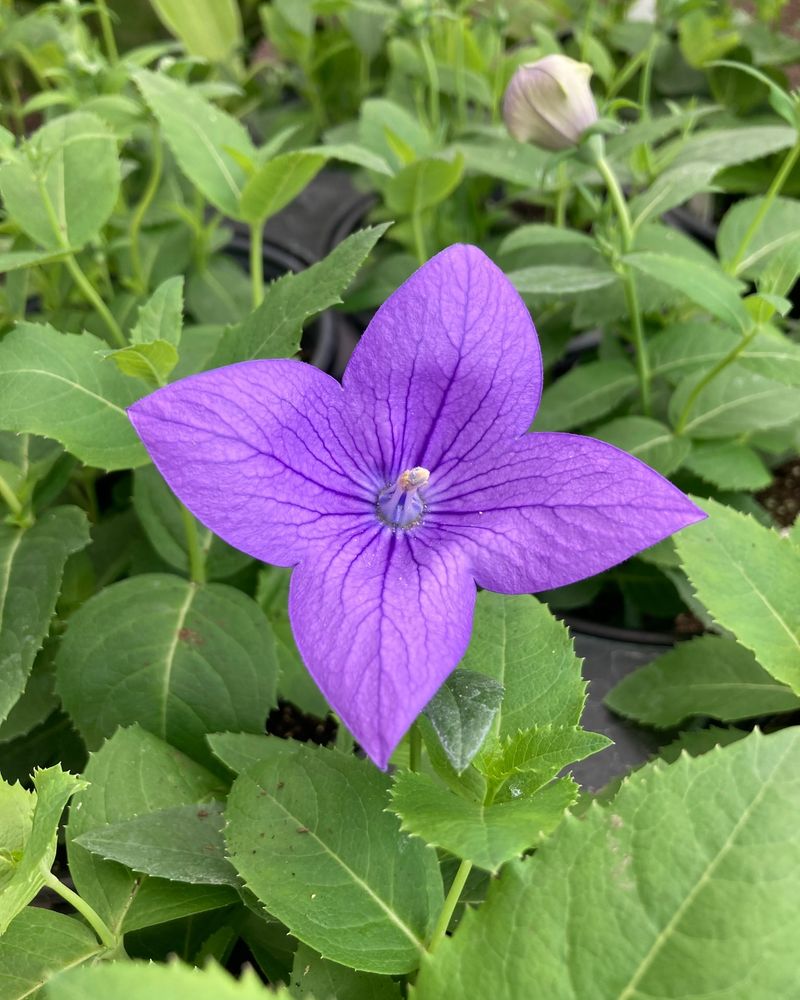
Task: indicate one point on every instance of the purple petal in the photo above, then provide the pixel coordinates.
(381, 619)
(253, 450)
(555, 508)
(448, 368)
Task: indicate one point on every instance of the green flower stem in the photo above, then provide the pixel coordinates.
(419, 236)
(11, 498)
(773, 191)
(257, 262)
(562, 193)
(197, 558)
(414, 748)
(89, 914)
(108, 31)
(93, 297)
(138, 214)
(433, 83)
(709, 377)
(450, 903)
(628, 280)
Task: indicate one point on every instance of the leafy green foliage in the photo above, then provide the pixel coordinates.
(730, 465)
(276, 183)
(31, 567)
(423, 184)
(333, 864)
(210, 29)
(461, 713)
(649, 440)
(748, 578)
(710, 676)
(319, 979)
(59, 385)
(190, 660)
(589, 390)
(681, 848)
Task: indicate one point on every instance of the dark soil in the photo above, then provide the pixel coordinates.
(288, 722)
(782, 497)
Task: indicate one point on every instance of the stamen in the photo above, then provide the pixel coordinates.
(400, 505)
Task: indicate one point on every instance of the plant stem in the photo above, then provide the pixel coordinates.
(257, 262)
(90, 915)
(108, 31)
(710, 375)
(629, 282)
(93, 297)
(11, 498)
(561, 197)
(197, 559)
(450, 903)
(773, 191)
(137, 217)
(433, 83)
(414, 748)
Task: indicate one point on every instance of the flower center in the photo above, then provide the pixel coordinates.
(400, 504)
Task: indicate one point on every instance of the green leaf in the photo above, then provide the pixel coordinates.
(777, 230)
(736, 401)
(60, 386)
(238, 751)
(423, 184)
(16, 819)
(708, 287)
(318, 979)
(707, 676)
(727, 147)
(488, 836)
(74, 160)
(210, 29)
(646, 439)
(521, 764)
(145, 980)
(585, 393)
(31, 861)
(728, 465)
(276, 183)
(159, 513)
(152, 362)
(31, 566)
(200, 136)
(38, 944)
(333, 864)
(555, 280)
(507, 160)
(748, 577)
(13, 260)
(517, 641)
(179, 659)
(381, 121)
(273, 330)
(462, 712)
(161, 317)
(351, 152)
(674, 187)
(181, 843)
(538, 234)
(135, 773)
(620, 902)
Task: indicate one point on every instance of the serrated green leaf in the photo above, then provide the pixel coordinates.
(200, 135)
(316, 978)
(181, 843)
(517, 641)
(152, 362)
(16, 818)
(776, 230)
(159, 513)
(728, 465)
(748, 577)
(273, 330)
(60, 386)
(30, 864)
(31, 566)
(423, 184)
(74, 160)
(135, 773)
(333, 864)
(161, 317)
(210, 29)
(145, 980)
(556, 280)
(707, 676)
(728, 147)
(585, 393)
(674, 187)
(538, 234)
(706, 842)
(708, 287)
(488, 836)
(179, 659)
(238, 751)
(736, 401)
(646, 439)
(462, 712)
(38, 944)
(277, 182)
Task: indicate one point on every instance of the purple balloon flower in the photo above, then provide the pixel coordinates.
(397, 492)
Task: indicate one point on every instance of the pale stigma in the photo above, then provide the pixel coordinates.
(400, 504)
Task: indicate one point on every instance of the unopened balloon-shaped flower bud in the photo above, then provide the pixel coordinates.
(549, 102)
